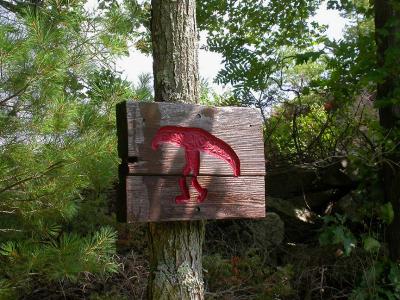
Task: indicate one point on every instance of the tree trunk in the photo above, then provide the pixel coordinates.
(388, 61)
(175, 63)
(175, 247)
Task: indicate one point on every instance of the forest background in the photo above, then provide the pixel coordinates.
(331, 136)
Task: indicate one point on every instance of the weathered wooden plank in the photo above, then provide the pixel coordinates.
(149, 179)
(240, 127)
(152, 198)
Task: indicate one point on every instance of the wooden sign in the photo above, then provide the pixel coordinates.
(189, 162)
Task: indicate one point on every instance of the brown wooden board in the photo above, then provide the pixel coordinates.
(151, 198)
(149, 179)
(240, 127)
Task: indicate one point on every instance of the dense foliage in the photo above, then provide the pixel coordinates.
(58, 156)
(323, 105)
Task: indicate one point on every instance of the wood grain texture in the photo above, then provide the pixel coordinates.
(240, 127)
(175, 51)
(149, 178)
(152, 198)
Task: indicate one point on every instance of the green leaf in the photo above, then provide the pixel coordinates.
(326, 237)
(349, 241)
(394, 276)
(371, 244)
(306, 57)
(9, 249)
(306, 91)
(386, 213)
(374, 273)
(6, 290)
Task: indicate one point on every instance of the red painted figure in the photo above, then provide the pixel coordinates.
(195, 140)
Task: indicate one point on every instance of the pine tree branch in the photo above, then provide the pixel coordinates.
(8, 212)
(19, 182)
(18, 6)
(10, 230)
(15, 8)
(19, 92)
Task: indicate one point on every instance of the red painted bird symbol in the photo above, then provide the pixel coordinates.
(194, 140)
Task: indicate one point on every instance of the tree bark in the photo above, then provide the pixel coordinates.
(387, 18)
(174, 41)
(175, 247)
